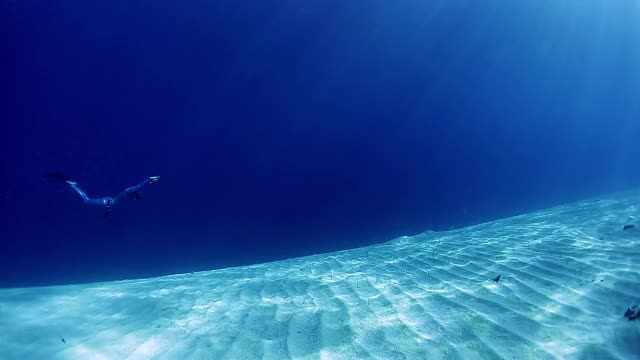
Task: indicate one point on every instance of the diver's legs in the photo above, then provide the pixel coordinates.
(84, 196)
(80, 192)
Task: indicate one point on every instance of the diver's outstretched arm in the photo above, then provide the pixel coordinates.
(134, 191)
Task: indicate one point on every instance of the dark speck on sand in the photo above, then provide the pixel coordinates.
(633, 312)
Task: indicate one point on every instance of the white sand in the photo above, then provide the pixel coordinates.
(568, 275)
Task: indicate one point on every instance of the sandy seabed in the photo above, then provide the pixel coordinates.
(567, 276)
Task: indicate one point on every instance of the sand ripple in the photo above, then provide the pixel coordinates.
(568, 275)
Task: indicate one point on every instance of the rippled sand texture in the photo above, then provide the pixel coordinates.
(568, 275)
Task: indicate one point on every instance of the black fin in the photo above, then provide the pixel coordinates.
(137, 196)
(58, 176)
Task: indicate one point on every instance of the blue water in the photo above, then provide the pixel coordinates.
(282, 129)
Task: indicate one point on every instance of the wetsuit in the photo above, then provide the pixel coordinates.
(109, 202)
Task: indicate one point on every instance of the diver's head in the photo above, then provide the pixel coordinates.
(108, 202)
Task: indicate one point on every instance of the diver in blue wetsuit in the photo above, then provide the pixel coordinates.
(107, 202)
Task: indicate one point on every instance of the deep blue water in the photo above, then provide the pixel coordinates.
(287, 128)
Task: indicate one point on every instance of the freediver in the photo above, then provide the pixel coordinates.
(106, 202)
